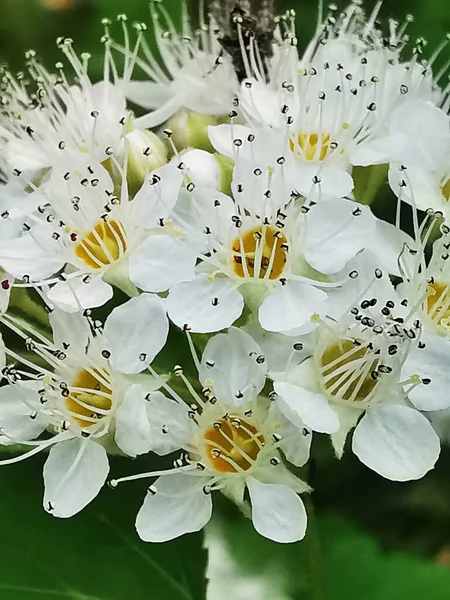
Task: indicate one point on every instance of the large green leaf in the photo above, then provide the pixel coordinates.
(96, 555)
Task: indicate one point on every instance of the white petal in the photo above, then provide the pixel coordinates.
(161, 114)
(170, 426)
(157, 196)
(147, 94)
(262, 102)
(205, 305)
(335, 234)
(179, 506)
(333, 181)
(222, 136)
(291, 306)
(25, 256)
(277, 512)
(135, 332)
(20, 418)
(430, 362)
(348, 417)
(132, 426)
(386, 244)
(161, 262)
(69, 328)
(426, 127)
(397, 442)
(74, 295)
(379, 150)
(303, 407)
(232, 361)
(74, 473)
(283, 353)
(202, 168)
(295, 444)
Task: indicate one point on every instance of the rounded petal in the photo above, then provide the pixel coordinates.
(336, 231)
(157, 196)
(204, 305)
(291, 306)
(397, 442)
(234, 363)
(170, 426)
(161, 262)
(20, 418)
(222, 136)
(34, 255)
(74, 295)
(295, 444)
(135, 332)
(430, 363)
(179, 506)
(303, 407)
(74, 473)
(278, 513)
(70, 329)
(332, 181)
(132, 426)
(202, 168)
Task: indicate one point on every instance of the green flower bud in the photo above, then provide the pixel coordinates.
(190, 130)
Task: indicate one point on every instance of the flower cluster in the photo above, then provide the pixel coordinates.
(219, 194)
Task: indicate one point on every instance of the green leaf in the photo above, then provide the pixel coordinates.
(95, 555)
(353, 565)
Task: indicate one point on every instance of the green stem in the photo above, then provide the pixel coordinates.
(314, 554)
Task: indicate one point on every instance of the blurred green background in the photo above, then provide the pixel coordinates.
(379, 540)
(36, 24)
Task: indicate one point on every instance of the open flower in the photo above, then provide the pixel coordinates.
(230, 442)
(269, 248)
(61, 122)
(87, 235)
(194, 74)
(76, 397)
(354, 379)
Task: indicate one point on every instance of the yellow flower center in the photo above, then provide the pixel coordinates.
(347, 370)
(445, 188)
(89, 393)
(438, 304)
(102, 246)
(232, 445)
(260, 253)
(312, 146)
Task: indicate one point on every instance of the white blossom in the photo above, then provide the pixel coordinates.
(76, 397)
(230, 442)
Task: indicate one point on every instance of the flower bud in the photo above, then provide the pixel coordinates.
(145, 152)
(190, 129)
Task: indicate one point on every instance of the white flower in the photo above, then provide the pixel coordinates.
(230, 442)
(194, 75)
(96, 237)
(342, 105)
(265, 247)
(353, 379)
(61, 122)
(77, 396)
(422, 175)
(425, 295)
